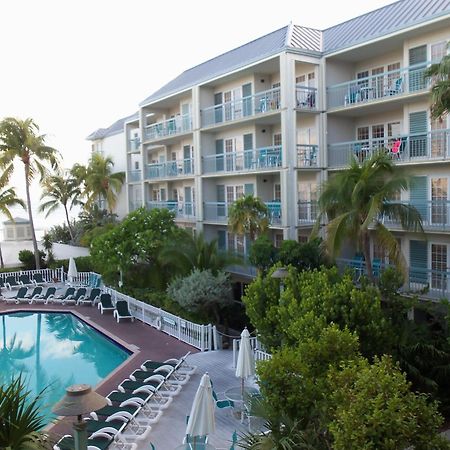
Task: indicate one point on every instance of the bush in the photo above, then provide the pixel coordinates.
(263, 254)
(26, 257)
(303, 256)
(83, 263)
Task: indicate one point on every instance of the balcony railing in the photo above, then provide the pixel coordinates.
(259, 103)
(218, 212)
(307, 155)
(171, 127)
(134, 144)
(182, 210)
(430, 146)
(134, 175)
(427, 282)
(307, 212)
(305, 97)
(134, 206)
(248, 160)
(170, 169)
(384, 85)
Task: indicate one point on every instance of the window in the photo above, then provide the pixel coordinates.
(438, 137)
(307, 202)
(175, 195)
(393, 129)
(136, 165)
(393, 76)
(155, 195)
(438, 266)
(300, 79)
(278, 240)
(362, 133)
(363, 77)
(277, 192)
(439, 192)
(377, 90)
(234, 192)
(277, 139)
(302, 238)
(276, 85)
(438, 51)
(378, 131)
(236, 243)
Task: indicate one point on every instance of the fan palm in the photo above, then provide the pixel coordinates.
(248, 215)
(8, 198)
(20, 139)
(60, 190)
(100, 182)
(355, 201)
(440, 91)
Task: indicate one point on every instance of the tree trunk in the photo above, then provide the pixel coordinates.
(366, 252)
(2, 263)
(30, 217)
(68, 223)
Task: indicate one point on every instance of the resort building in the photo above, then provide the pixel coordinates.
(278, 115)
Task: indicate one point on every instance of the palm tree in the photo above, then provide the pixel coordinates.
(60, 190)
(19, 139)
(8, 198)
(248, 215)
(100, 182)
(440, 92)
(355, 201)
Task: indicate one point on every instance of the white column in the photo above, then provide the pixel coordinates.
(196, 136)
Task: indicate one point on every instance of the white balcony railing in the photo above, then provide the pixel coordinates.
(176, 125)
(307, 212)
(305, 97)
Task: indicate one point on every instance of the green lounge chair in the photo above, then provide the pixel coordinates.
(178, 363)
(24, 280)
(38, 279)
(147, 395)
(105, 303)
(37, 290)
(45, 298)
(70, 291)
(91, 298)
(79, 295)
(19, 295)
(122, 311)
(158, 381)
(10, 282)
(97, 441)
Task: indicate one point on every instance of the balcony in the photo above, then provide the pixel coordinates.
(308, 212)
(218, 212)
(170, 169)
(167, 128)
(246, 161)
(411, 148)
(134, 144)
(385, 85)
(435, 215)
(307, 156)
(260, 103)
(182, 210)
(306, 98)
(134, 176)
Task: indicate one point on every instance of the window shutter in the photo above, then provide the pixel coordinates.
(248, 150)
(219, 159)
(417, 56)
(218, 112)
(222, 239)
(418, 125)
(418, 195)
(221, 210)
(418, 261)
(247, 99)
(248, 189)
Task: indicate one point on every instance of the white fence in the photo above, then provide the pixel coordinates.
(47, 274)
(258, 351)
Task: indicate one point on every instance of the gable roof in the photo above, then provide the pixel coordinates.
(115, 128)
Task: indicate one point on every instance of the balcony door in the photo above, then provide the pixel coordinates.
(439, 264)
(307, 202)
(417, 62)
(189, 201)
(439, 138)
(439, 201)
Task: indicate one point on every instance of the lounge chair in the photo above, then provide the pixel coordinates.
(222, 403)
(179, 364)
(169, 372)
(148, 395)
(11, 282)
(20, 295)
(96, 441)
(24, 280)
(36, 292)
(44, 298)
(70, 291)
(38, 279)
(105, 303)
(90, 299)
(122, 311)
(79, 295)
(157, 381)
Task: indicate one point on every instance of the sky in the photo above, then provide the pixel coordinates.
(75, 66)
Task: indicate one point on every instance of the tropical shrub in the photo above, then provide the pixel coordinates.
(303, 256)
(83, 263)
(263, 254)
(26, 257)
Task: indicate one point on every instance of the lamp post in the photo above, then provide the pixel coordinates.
(79, 399)
(281, 273)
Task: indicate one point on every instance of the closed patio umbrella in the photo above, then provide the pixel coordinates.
(201, 418)
(72, 273)
(245, 366)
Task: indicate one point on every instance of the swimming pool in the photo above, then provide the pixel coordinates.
(54, 350)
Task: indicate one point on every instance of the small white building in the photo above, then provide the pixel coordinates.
(18, 229)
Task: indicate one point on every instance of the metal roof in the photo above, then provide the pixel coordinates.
(382, 21)
(115, 128)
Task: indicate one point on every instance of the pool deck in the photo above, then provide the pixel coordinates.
(148, 343)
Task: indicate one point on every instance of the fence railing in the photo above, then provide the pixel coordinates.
(258, 350)
(256, 159)
(305, 97)
(307, 155)
(170, 169)
(384, 85)
(259, 103)
(182, 210)
(47, 274)
(432, 145)
(134, 175)
(173, 126)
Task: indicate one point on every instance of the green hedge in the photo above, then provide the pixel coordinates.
(83, 263)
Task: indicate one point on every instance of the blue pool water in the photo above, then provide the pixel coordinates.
(54, 350)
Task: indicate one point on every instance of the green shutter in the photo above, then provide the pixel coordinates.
(418, 195)
(218, 112)
(248, 189)
(248, 150)
(247, 99)
(417, 56)
(418, 124)
(219, 159)
(418, 261)
(221, 212)
(222, 239)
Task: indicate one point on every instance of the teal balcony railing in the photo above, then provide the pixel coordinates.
(170, 169)
(182, 210)
(134, 175)
(305, 97)
(218, 212)
(307, 155)
(134, 144)
(248, 160)
(259, 103)
(430, 146)
(380, 86)
(171, 127)
(307, 212)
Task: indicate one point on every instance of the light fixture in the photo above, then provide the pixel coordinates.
(281, 273)
(79, 399)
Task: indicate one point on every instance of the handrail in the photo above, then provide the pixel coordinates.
(168, 169)
(307, 155)
(218, 211)
(306, 97)
(175, 125)
(185, 210)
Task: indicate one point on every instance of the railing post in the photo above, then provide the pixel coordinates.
(179, 327)
(210, 343)
(202, 338)
(215, 338)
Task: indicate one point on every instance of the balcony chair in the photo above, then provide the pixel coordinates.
(395, 149)
(353, 95)
(395, 88)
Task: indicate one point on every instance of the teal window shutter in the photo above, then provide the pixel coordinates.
(417, 59)
(418, 262)
(221, 210)
(248, 150)
(220, 156)
(418, 127)
(247, 99)
(222, 239)
(218, 111)
(418, 195)
(249, 189)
